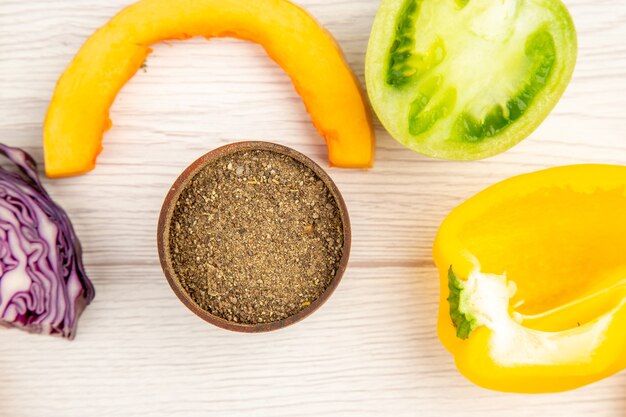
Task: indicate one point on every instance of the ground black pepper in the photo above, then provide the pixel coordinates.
(255, 237)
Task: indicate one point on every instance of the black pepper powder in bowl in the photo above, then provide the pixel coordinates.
(253, 236)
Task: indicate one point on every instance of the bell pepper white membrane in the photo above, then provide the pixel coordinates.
(485, 297)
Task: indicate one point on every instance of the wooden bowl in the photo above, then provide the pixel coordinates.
(168, 209)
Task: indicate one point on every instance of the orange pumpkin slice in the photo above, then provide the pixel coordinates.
(79, 112)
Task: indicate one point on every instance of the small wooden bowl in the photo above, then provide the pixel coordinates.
(168, 209)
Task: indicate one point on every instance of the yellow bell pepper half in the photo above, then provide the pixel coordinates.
(533, 280)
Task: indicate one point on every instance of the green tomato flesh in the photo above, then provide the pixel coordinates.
(468, 79)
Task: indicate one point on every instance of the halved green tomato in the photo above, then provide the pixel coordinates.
(468, 79)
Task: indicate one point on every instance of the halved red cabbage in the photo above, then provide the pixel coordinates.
(43, 285)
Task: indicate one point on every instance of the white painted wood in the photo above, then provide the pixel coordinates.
(372, 350)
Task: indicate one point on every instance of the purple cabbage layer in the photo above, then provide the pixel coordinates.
(43, 284)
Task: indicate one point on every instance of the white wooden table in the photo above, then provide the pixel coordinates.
(372, 349)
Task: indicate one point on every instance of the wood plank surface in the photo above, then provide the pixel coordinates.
(372, 350)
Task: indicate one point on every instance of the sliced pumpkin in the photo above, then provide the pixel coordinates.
(79, 112)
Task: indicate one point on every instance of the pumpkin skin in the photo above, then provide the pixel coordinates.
(79, 111)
